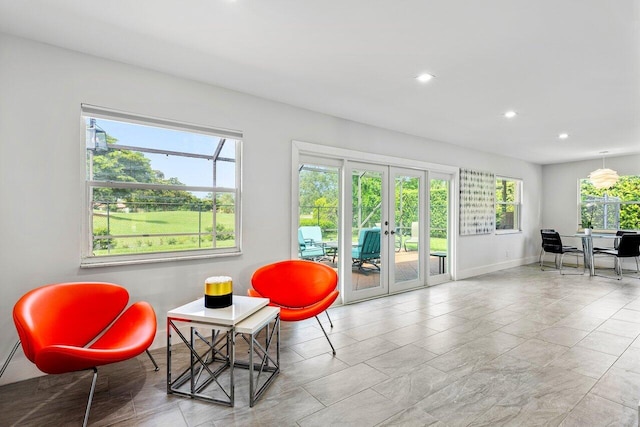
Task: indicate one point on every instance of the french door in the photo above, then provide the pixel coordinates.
(384, 229)
(384, 203)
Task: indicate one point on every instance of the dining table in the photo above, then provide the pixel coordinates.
(587, 246)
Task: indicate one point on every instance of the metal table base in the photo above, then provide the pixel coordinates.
(209, 374)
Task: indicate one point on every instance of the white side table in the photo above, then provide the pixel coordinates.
(209, 373)
(261, 373)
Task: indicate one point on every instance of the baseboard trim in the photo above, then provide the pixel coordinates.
(485, 269)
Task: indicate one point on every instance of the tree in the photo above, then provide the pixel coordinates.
(318, 195)
(367, 198)
(225, 202)
(407, 197)
(318, 183)
(438, 208)
(132, 166)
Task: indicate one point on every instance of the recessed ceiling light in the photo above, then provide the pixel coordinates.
(424, 77)
(510, 114)
(563, 136)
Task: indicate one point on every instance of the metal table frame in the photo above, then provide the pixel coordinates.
(245, 319)
(587, 247)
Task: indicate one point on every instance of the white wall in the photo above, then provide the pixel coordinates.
(560, 188)
(41, 177)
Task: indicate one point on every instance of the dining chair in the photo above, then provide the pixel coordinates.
(616, 242)
(543, 230)
(549, 230)
(552, 243)
(629, 247)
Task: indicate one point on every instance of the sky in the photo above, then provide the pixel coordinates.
(189, 171)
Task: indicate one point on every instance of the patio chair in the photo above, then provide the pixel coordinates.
(312, 234)
(415, 233)
(368, 248)
(309, 251)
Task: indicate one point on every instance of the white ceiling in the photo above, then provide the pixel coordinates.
(564, 65)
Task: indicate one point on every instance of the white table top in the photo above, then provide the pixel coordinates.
(241, 308)
(256, 321)
(592, 236)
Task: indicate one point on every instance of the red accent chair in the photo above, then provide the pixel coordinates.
(302, 289)
(67, 327)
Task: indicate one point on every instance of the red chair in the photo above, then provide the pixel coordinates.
(302, 289)
(67, 327)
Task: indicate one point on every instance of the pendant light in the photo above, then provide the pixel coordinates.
(603, 178)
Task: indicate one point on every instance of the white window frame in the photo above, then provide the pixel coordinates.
(88, 258)
(517, 204)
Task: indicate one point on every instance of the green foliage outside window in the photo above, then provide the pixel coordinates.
(507, 204)
(318, 197)
(439, 207)
(407, 197)
(613, 208)
(367, 198)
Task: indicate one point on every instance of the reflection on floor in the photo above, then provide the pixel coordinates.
(515, 347)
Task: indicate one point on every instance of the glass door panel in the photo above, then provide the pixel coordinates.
(404, 229)
(366, 221)
(368, 212)
(439, 227)
(318, 220)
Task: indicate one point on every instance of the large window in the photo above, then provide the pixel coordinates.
(158, 189)
(508, 203)
(610, 209)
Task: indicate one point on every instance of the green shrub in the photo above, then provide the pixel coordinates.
(323, 223)
(222, 233)
(104, 243)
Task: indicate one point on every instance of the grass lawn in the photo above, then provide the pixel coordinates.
(142, 226)
(437, 244)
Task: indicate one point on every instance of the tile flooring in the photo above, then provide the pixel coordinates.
(515, 347)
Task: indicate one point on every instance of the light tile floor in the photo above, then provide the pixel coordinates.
(515, 347)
